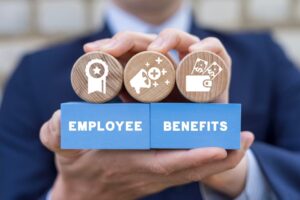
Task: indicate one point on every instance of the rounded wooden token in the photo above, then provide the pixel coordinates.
(202, 76)
(97, 77)
(149, 76)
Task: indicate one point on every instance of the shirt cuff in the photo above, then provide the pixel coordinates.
(48, 196)
(256, 185)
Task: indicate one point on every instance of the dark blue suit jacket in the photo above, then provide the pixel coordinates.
(264, 81)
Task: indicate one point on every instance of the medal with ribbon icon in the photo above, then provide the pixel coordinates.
(97, 77)
(96, 70)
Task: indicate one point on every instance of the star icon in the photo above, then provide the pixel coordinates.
(147, 64)
(155, 84)
(158, 60)
(96, 70)
(163, 71)
(167, 82)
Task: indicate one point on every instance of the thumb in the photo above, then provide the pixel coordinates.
(50, 136)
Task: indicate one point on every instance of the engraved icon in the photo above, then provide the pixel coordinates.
(96, 70)
(140, 80)
(97, 77)
(149, 76)
(147, 79)
(202, 76)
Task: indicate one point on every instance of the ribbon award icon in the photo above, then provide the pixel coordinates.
(96, 70)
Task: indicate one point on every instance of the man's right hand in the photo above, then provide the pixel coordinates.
(116, 174)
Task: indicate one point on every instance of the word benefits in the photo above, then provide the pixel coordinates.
(195, 126)
(109, 126)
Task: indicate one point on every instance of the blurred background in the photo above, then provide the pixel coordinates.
(27, 25)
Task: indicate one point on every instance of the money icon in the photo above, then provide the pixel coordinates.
(199, 66)
(213, 70)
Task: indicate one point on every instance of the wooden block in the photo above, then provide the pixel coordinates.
(202, 76)
(97, 77)
(149, 76)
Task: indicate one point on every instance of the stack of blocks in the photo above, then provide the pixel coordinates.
(150, 77)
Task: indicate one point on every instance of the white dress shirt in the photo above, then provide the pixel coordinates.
(119, 20)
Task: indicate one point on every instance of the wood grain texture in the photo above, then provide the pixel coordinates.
(149, 76)
(188, 66)
(114, 78)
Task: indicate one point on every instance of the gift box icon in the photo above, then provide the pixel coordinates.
(198, 83)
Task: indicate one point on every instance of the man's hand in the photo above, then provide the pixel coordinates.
(133, 174)
(122, 46)
(230, 182)
(185, 43)
(125, 44)
(97, 174)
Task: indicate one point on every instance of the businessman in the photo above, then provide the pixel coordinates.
(263, 80)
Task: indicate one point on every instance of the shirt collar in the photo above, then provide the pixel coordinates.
(120, 20)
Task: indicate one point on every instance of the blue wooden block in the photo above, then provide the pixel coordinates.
(127, 126)
(105, 126)
(192, 125)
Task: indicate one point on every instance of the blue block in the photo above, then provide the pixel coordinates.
(145, 126)
(105, 126)
(192, 125)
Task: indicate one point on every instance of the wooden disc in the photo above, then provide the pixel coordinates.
(97, 77)
(149, 76)
(202, 76)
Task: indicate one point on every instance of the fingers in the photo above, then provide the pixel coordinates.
(121, 43)
(167, 40)
(94, 46)
(247, 139)
(184, 43)
(50, 133)
(50, 136)
(173, 39)
(167, 162)
(217, 170)
(214, 45)
(234, 157)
